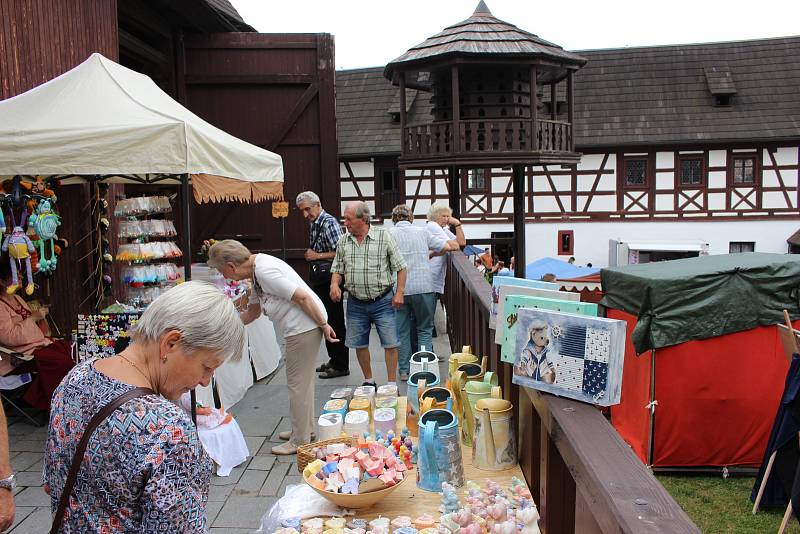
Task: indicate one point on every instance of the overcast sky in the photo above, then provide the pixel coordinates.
(370, 33)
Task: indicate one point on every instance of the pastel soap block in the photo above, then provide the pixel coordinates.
(348, 452)
(387, 479)
(345, 464)
(313, 468)
(350, 486)
(315, 482)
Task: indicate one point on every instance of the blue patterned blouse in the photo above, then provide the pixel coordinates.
(144, 469)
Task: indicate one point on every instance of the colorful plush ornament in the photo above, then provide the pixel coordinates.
(19, 247)
(45, 221)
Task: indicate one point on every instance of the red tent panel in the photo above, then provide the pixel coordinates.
(630, 417)
(716, 398)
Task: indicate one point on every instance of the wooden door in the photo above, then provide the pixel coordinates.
(275, 91)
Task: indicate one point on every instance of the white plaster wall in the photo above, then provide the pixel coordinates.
(591, 238)
(590, 162)
(717, 158)
(716, 201)
(665, 180)
(348, 189)
(716, 179)
(361, 169)
(665, 160)
(785, 156)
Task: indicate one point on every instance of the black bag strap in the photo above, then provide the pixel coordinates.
(77, 459)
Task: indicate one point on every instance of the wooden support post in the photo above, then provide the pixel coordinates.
(454, 187)
(534, 144)
(571, 109)
(402, 103)
(456, 110)
(519, 220)
(186, 242)
(553, 102)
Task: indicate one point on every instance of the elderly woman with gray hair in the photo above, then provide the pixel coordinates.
(440, 217)
(120, 456)
(298, 315)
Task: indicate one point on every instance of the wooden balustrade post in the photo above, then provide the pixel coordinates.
(519, 220)
(571, 109)
(556, 489)
(456, 105)
(534, 105)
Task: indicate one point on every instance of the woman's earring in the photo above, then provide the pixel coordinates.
(163, 359)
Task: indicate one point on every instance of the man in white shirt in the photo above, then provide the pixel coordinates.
(415, 243)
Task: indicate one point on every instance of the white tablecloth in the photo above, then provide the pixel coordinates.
(234, 378)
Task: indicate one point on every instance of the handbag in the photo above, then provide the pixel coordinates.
(320, 273)
(77, 459)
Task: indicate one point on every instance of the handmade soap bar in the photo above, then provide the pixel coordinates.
(387, 390)
(360, 403)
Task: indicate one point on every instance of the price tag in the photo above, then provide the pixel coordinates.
(280, 210)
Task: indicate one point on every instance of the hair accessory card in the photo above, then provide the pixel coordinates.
(570, 355)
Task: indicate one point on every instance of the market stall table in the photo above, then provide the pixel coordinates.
(410, 500)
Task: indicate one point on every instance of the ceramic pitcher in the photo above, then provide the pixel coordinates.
(473, 391)
(435, 397)
(494, 447)
(424, 360)
(457, 358)
(474, 370)
(417, 381)
(439, 451)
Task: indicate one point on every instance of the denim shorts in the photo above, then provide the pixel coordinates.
(361, 316)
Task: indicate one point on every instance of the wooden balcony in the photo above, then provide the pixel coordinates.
(488, 141)
(584, 478)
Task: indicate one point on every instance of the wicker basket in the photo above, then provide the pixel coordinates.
(305, 456)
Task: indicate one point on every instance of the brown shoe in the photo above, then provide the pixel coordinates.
(333, 373)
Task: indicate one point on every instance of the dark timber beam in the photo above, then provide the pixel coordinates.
(453, 189)
(534, 109)
(519, 220)
(456, 110)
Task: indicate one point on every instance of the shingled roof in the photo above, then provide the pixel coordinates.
(484, 35)
(625, 97)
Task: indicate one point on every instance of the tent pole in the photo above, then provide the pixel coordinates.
(652, 407)
(186, 240)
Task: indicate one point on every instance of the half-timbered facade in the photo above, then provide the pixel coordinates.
(695, 144)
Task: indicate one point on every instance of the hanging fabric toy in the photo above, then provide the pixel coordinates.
(19, 247)
(45, 221)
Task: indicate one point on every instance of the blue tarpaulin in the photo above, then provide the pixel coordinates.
(472, 250)
(562, 269)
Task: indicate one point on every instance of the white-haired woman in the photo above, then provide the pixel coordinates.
(440, 216)
(144, 468)
(298, 314)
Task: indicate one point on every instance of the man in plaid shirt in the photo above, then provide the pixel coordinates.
(366, 258)
(325, 232)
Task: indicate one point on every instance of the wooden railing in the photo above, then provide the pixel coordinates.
(584, 477)
(487, 136)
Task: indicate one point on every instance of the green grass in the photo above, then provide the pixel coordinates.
(722, 505)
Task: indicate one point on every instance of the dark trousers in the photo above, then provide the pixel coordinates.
(338, 353)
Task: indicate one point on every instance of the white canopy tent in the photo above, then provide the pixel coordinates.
(101, 118)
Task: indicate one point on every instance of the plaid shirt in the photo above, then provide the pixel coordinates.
(325, 232)
(367, 267)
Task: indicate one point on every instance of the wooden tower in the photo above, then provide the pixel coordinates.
(487, 79)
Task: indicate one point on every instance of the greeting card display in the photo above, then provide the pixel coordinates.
(511, 304)
(506, 290)
(570, 355)
(499, 281)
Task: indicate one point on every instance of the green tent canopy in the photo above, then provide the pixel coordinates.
(699, 298)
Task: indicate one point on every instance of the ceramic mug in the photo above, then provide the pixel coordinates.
(439, 454)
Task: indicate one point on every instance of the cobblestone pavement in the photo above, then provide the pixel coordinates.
(236, 502)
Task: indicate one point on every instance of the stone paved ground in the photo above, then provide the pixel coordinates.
(236, 502)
